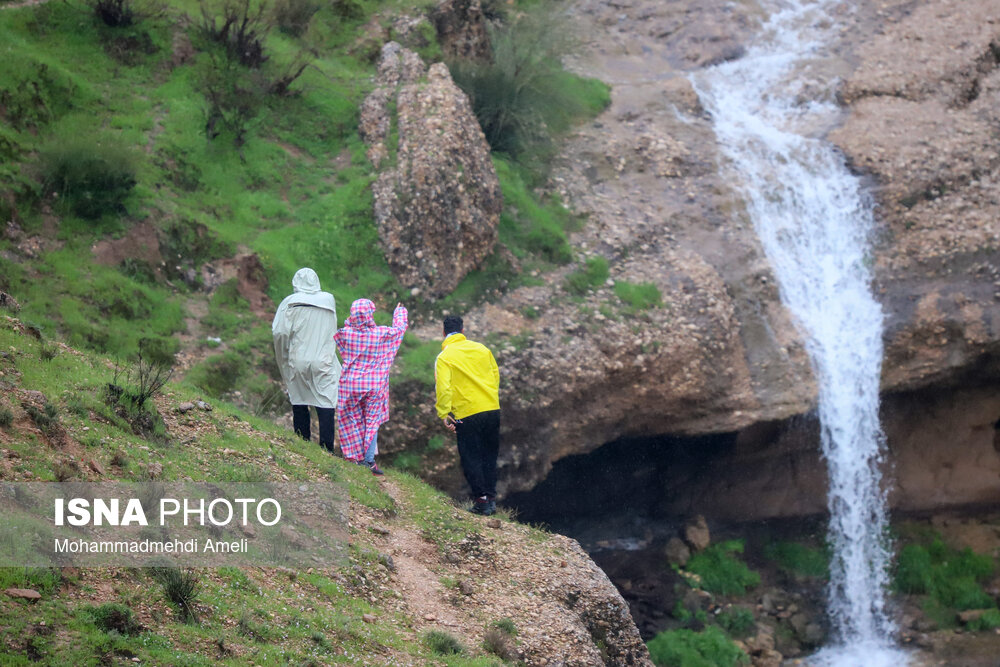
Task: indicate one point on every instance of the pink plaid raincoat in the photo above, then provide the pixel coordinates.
(367, 351)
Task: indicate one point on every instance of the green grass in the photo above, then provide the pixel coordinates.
(686, 648)
(721, 571)
(799, 560)
(275, 617)
(951, 580)
(593, 273)
(638, 296)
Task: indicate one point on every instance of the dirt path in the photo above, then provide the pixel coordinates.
(423, 593)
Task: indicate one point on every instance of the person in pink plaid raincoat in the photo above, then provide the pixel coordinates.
(367, 351)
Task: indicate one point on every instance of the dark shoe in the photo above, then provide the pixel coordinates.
(492, 507)
(480, 506)
(375, 469)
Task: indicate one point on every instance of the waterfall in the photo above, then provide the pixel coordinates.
(769, 110)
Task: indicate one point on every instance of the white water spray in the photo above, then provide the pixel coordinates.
(814, 224)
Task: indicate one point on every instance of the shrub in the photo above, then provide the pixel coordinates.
(507, 626)
(112, 616)
(218, 374)
(640, 296)
(500, 644)
(115, 13)
(293, 16)
(6, 416)
(592, 274)
(737, 621)
(721, 572)
(523, 95)
(686, 648)
(139, 382)
(45, 418)
(91, 177)
(179, 586)
(443, 643)
(241, 32)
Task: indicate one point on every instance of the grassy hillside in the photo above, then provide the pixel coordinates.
(112, 130)
(418, 563)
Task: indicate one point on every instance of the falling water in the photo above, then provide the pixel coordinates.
(769, 108)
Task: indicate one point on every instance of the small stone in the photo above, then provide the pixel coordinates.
(430, 617)
(493, 523)
(368, 618)
(95, 466)
(154, 470)
(696, 533)
(677, 552)
(184, 408)
(23, 593)
(381, 530)
(466, 587)
(202, 405)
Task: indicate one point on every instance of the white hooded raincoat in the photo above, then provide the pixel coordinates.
(303, 330)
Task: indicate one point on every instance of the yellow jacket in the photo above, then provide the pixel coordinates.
(467, 378)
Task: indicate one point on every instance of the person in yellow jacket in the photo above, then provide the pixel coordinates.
(467, 383)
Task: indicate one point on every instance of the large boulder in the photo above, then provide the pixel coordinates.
(437, 204)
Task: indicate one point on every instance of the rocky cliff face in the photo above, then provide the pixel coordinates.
(721, 354)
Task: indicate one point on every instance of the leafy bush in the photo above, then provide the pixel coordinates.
(91, 176)
(523, 95)
(443, 643)
(951, 578)
(737, 621)
(119, 618)
(721, 572)
(592, 274)
(293, 16)
(639, 296)
(6, 416)
(686, 648)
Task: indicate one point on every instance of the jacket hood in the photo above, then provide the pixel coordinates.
(306, 281)
(362, 314)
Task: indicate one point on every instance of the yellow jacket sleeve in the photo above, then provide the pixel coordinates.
(442, 385)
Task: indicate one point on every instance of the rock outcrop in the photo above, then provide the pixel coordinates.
(461, 29)
(437, 198)
(721, 353)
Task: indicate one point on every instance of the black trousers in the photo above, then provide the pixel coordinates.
(327, 418)
(478, 447)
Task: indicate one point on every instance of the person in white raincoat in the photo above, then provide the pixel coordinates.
(303, 330)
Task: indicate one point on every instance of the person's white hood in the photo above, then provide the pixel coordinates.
(307, 291)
